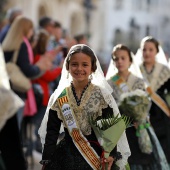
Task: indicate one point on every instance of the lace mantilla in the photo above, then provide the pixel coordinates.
(92, 103)
(157, 77)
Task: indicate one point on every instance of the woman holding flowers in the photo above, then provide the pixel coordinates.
(83, 93)
(129, 92)
(154, 68)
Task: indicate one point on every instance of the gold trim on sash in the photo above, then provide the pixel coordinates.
(150, 89)
(87, 151)
(62, 100)
(78, 138)
(158, 100)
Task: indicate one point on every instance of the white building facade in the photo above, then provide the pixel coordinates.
(128, 21)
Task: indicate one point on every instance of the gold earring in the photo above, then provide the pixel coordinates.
(91, 77)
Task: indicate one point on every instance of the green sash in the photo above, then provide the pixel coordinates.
(119, 82)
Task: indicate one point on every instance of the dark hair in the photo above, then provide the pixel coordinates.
(121, 47)
(41, 44)
(57, 24)
(79, 37)
(85, 50)
(44, 21)
(152, 40)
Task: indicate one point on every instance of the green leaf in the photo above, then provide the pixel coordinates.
(109, 121)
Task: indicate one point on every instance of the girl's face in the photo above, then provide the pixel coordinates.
(80, 67)
(149, 52)
(122, 60)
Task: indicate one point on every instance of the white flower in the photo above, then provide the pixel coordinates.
(136, 92)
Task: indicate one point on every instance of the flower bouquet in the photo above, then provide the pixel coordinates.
(135, 105)
(108, 131)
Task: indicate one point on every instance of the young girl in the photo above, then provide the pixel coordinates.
(84, 92)
(128, 82)
(157, 75)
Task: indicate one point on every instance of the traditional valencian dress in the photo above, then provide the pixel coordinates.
(138, 160)
(79, 150)
(159, 81)
(66, 156)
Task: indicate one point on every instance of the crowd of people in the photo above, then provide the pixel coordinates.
(67, 69)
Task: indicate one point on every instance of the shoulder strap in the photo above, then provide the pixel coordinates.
(15, 56)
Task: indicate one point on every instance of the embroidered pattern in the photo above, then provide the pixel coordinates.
(83, 145)
(92, 103)
(158, 77)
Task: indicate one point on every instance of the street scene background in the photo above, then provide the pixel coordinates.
(105, 23)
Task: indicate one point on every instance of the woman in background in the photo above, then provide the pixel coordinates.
(16, 43)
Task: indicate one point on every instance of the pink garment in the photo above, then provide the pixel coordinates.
(30, 105)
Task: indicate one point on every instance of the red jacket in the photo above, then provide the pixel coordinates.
(45, 79)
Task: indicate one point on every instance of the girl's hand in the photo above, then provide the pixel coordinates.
(109, 160)
(136, 125)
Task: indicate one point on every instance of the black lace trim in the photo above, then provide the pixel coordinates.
(150, 71)
(75, 95)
